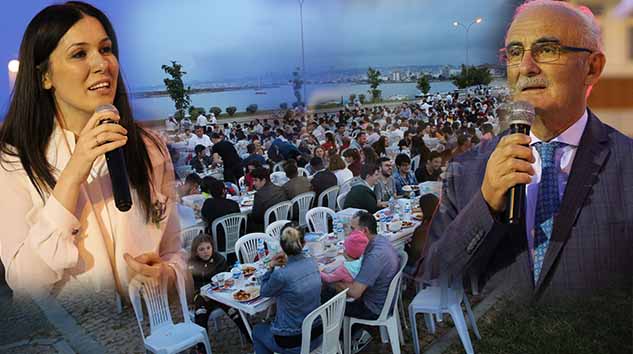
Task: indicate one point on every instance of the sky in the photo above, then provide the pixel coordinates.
(222, 40)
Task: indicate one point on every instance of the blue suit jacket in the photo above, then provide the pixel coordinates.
(591, 246)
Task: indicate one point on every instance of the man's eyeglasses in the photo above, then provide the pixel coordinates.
(541, 52)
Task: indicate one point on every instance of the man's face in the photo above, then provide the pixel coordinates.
(553, 88)
(341, 130)
(259, 183)
(362, 139)
(386, 168)
(199, 132)
(373, 178)
(404, 168)
(436, 163)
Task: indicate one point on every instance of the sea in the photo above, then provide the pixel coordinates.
(157, 108)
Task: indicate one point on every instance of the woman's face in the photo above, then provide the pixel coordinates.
(349, 160)
(82, 71)
(204, 251)
(319, 152)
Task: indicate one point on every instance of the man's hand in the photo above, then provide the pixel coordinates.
(509, 164)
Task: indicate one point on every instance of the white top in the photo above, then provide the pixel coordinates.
(343, 175)
(201, 121)
(564, 158)
(205, 140)
(45, 247)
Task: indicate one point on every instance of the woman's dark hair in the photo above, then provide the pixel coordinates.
(206, 185)
(353, 153)
(428, 205)
(202, 238)
(370, 155)
(380, 147)
(218, 189)
(336, 163)
(290, 168)
(29, 122)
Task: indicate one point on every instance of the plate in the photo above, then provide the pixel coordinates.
(417, 216)
(247, 202)
(407, 188)
(226, 275)
(248, 270)
(246, 294)
(406, 224)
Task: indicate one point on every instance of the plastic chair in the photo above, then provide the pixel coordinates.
(331, 314)
(316, 219)
(187, 235)
(241, 182)
(439, 300)
(166, 337)
(331, 194)
(304, 202)
(415, 162)
(280, 210)
(347, 185)
(194, 200)
(246, 246)
(340, 200)
(279, 167)
(274, 229)
(388, 315)
(231, 224)
(302, 172)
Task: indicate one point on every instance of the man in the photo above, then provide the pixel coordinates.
(267, 195)
(322, 178)
(431, 170)
(362, 195)
(463, 144)
(380, 264)
(403, 175)
(296, 184)
(232, 162)
(340, 133)
(216, 207)
(200, 161)
(201, 121)
(578, 232)
(385, 188)
(199, 138)
(359, 142)
(253, 155)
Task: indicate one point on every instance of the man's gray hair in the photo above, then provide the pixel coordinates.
(591, 34)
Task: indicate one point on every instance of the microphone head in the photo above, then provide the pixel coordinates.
(520, 112)
(106, 108)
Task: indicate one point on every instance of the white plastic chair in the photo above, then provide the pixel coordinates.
(340, 200)
(347, 185)
(331, 194)
(194, 200)
(166, 337)
(388, 317)
(187, 235)
(439, 300)
(274, 229)
(415, 162)
(302, 172)
(279, 167)
(278, 178)
(241, 182)
(231, 224)
(331, 314)
(280, 210)
(304, 202)
(246, 246)
(317, 219)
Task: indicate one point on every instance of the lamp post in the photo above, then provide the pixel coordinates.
(303, 60)
(478, 20)
(13, 66)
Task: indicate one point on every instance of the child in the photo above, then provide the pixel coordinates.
(203, 265)
(355, 245)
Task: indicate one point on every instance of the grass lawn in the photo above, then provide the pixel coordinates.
(596, 325)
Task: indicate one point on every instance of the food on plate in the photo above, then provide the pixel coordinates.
(407, 188)
(248, 270)
(417, 216)
(247, 202)
(241, 295)
(229, 283)
(406, 224)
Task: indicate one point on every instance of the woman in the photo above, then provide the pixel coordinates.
(295, 283)
(369, 156)
(337, 166)
(330, 143)
(352, 157)
(57, 209)
(380, 147)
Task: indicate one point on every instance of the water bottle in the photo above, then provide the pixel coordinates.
(338, 228)
(383, 222)
(261, 250)
(407, 208)
(392, 205)
(237, 271)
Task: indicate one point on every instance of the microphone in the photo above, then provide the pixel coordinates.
(117, 168)
(520, 116)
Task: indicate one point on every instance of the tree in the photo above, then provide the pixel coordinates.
(373, 77)
(472, 76)
(362, 98)
(252, 108)
(230, 110)
(194, 112)
(423, 84)
(297, 83)
(176, 88)
(215, 110)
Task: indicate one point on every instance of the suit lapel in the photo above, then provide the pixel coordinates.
(590, 156)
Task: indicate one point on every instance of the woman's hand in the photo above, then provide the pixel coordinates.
(280, 259)
(150, 265)
(94, 141)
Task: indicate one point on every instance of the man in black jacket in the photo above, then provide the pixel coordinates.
(267, 195)
(217, 206)
(322, 179)
(230, 158)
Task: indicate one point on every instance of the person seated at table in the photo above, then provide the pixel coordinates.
(370, 286)
(354, 247)
(268, 194)
(403, 176)
(203, 264)
(248, 177)
(362, 195)
(294, 281)
(254, 155)
(338, 168)
(431, 170)
(322, 178)
(216, 207)
(296, 184)
(191, 186)
(418, 246)
(200, 162)
(352, 157)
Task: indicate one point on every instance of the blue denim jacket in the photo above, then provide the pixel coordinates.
(297, 289)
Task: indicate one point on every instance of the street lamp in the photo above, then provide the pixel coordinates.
(303, 60)
(478, 20)
(13, 67)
